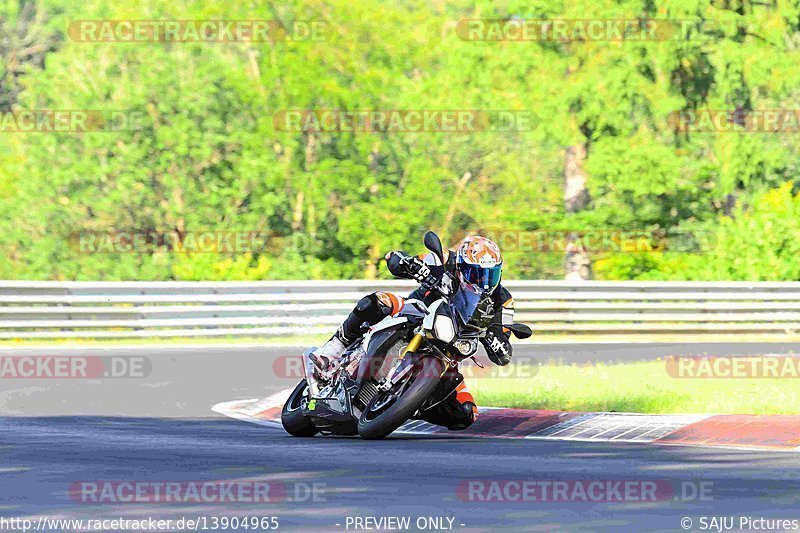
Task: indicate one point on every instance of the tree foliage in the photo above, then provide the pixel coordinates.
(207, 154)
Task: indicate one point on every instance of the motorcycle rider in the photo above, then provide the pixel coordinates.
(477, 265)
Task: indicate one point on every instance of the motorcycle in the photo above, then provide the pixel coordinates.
(398, 369)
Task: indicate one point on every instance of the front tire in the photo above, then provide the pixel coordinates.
(294, 421)
(377, 421)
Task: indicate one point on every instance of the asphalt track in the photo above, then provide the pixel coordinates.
(160, 428)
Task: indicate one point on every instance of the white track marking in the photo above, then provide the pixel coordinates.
(586, 427)
(616, 427)
(230, 409)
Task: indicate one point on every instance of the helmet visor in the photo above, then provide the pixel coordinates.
(486, 278)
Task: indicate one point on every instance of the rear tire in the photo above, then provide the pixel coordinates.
(374, 425)
(294, 421)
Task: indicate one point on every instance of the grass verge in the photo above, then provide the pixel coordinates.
(641, 387)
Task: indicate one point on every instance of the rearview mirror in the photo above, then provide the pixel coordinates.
(520, 331)
(434, 244)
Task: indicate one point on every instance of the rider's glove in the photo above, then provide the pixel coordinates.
(403, 265)
(418, 270)
(421, 272)
(396, 262)
(498, 347)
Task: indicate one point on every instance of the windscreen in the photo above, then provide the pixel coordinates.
(465, 301)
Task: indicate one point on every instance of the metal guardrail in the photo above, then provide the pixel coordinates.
(51, 310)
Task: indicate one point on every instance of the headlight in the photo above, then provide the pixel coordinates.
(444, 329)
(466, 347)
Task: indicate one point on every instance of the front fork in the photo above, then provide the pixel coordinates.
(414, 345)
(308, 370)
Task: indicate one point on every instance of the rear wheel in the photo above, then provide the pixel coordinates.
(294, 421)
(390, 409)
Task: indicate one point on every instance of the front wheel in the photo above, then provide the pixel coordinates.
(294, 421)
(389, 410)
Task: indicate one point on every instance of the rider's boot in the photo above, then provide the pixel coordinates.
(369, 310)
(467, 414)
(328, 353)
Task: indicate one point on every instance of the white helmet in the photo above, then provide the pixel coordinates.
(479, 263)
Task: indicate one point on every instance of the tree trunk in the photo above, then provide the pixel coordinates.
(455, 202)
(311, 151)
(374, 254)
(577, 264)
(374, 258)
(297, 211)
